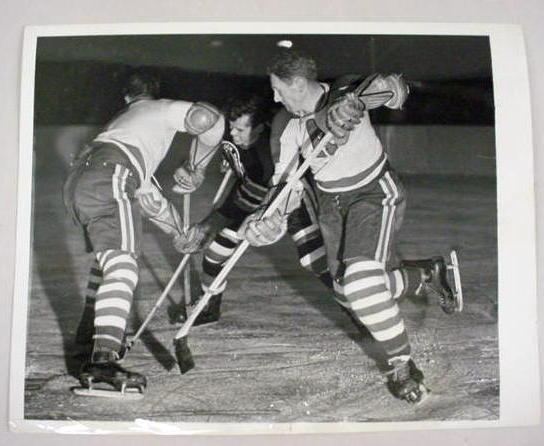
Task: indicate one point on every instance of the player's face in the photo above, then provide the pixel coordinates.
(241, 131)
(287, 93)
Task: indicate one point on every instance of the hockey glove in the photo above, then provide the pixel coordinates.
(263, 231)
(193, 240)
(187, 179)
(159, 210)
(343, 115)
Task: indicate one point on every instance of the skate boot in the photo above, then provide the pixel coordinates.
(103, 368)
(405, 381)
(211, 312)
(177, 313)
(435, 280)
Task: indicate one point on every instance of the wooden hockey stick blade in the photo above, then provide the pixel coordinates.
(183, 355)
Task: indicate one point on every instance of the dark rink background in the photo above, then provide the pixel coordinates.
(282, 352)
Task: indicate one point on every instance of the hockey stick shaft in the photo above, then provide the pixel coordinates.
(271, 208)
(187, 272)
(224, 183)
(181, 267)
(160, 300)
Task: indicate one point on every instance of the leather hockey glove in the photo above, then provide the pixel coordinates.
(159, 210)
(198, 235)
(187, 179)
(193, 240)
(263, 231)
(343, 115)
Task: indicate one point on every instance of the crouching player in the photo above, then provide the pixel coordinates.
(253, 165)
(108, 190)
(360, 205)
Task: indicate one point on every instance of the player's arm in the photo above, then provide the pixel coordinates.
(200, 234)
(347, 110)
(260, 231)
(390, 91)
(159, 210)
(207, 124)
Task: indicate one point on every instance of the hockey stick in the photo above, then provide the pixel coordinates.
(167, 289)
(187, 271)
(224, 183)
(159, 302)
(182, 351)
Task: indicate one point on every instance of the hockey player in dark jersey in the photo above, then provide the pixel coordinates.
(250, 132)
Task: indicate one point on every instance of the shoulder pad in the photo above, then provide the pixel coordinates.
(201, 117)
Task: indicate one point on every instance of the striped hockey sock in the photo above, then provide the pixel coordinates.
(114, 298)
(364, 292)
(311, 249)
(85, 330)
(219, 251)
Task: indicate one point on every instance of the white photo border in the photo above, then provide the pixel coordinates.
(519, 398)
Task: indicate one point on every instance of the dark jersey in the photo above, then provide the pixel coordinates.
(247, 194)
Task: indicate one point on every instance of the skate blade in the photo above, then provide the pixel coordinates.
(424, 393)
(458, 289)
(128, 395)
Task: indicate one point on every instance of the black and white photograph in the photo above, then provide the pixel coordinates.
(258, 229)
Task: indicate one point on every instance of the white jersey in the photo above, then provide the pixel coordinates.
(354, 164)
(145, 130)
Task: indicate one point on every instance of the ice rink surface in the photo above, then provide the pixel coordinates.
(282, 350)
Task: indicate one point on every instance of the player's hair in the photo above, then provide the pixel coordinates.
(288, 64)
(253, 106)
(142, 83)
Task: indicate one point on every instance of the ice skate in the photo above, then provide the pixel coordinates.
(405, 381)
(211, 312)
(436, 278)
(177, 313)
(104, 377)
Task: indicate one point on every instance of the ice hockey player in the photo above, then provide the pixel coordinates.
(250, 157)
(109, 188)
(361, 203)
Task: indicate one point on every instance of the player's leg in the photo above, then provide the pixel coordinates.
(372, 219)
(105, 200)
(305, 233)
(215, 256)
(112, 309)
(85, 330)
